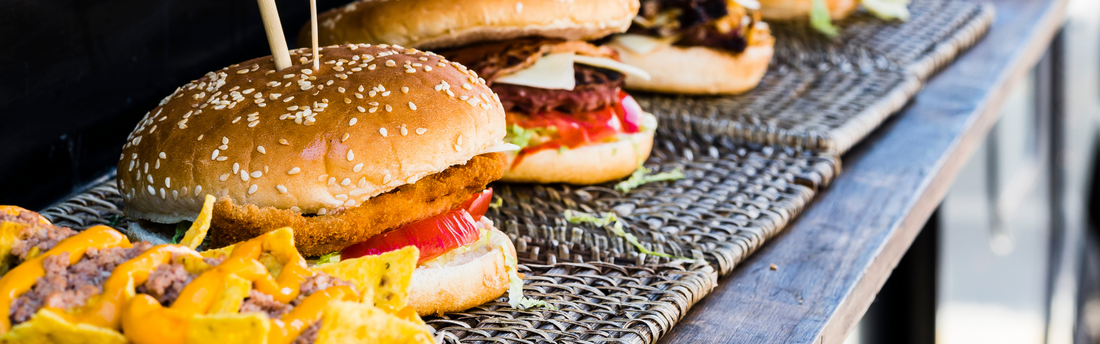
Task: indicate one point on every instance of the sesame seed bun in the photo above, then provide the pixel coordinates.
(701, 70)
(800, 9)
(243, 133)
(466, 280)
(584, 165)
(433, 24)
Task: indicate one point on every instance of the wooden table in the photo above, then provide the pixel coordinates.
(836, 257)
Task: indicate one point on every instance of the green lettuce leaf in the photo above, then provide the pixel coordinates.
(888, 9)
(820, 19)
(616, 228)
(181, 231)
(515, 288)
(329, 258)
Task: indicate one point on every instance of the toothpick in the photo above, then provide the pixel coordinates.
(274, 28)
(313, 23)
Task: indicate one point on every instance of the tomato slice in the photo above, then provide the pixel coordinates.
(434, 236)
(630, 113)
(478, 203)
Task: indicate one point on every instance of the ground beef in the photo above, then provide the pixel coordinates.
(34, 234)
(596, 88)
(66, 286)
(166, 282)
(258, 302)
(316, 283)
(309, 334)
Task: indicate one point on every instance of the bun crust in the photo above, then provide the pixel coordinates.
(700, 70)
(456, 288)
(590, 164)
(800, 9)
(433, 24)
(244, 132)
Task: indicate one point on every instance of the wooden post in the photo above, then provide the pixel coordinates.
(275, 37)
(313, 24)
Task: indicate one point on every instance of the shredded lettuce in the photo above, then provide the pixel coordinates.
(820, 19)
(888, 9)
(332, 257)
(181, 231)
(497, 202)
(515, 287)
(616, 228)
(519, 136)
(641, 176)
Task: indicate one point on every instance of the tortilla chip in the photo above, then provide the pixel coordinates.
(47, 327)
(386, 276)
(194, 236)
(350, 322)
(9, 233)
(249, 328)
(231, 296)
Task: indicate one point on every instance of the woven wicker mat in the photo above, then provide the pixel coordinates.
(734, 197)
(826, 94)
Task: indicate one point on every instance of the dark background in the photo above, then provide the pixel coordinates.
(77, 75)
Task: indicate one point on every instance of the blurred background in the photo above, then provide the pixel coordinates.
(1017, 236)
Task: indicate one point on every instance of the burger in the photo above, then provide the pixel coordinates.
(696, 46)
(562, 95)
(365, 154)
(821, 13)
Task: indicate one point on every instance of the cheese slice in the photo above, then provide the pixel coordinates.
(607, 63)
(641, 44)
(500, 147)
(553, 71)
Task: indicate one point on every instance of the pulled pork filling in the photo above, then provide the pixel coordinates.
(715, 24)
(596, 88)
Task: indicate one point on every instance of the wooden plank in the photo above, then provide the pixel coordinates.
(835, 258)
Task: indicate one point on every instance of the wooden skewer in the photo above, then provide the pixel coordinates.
(313, 23)
(274, 28)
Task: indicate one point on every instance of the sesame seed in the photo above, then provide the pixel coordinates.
(292, 108)
(282, 189)
(410, 71)
(519, 7)
(389, 108)
(349, 203)
(351, 155)
(358, 96)
(294, 171)
(307, 71)
(459, 139)
(421, 131)
(223, 147)
(214, 155)
(322, 211)
(198, 189)
(467, 86)
(157, 166)
(224, 177)
(386, 179)
(176, 194)
(411, 180)
(146, 168)
(386, 94)
(458, 148)
(257, 174)
(412, 106)
(331, 181)
(284, 142)
(236, 168)
(168, 182)
(354, 120)
(252, 189)
(382, 131)
(361, 88)
(162, 195)
(162, 155)
(391, 63)
(149, 178)
(341, 197)
(238, 119)
(341, 89)
(345, 182)
(222, 158)
(261, 149)
(361, 109)
(151, 190)
(244, 176)
(427, 68)
(404, 131)
(405, 89)
(253, 124)
(345, 138)
(347, 100)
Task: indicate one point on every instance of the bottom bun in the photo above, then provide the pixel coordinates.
(589, 164)
(465, 280)
(800, 9)
(698, 70)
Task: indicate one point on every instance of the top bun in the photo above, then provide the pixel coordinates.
(434, 24)
(372, 118)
